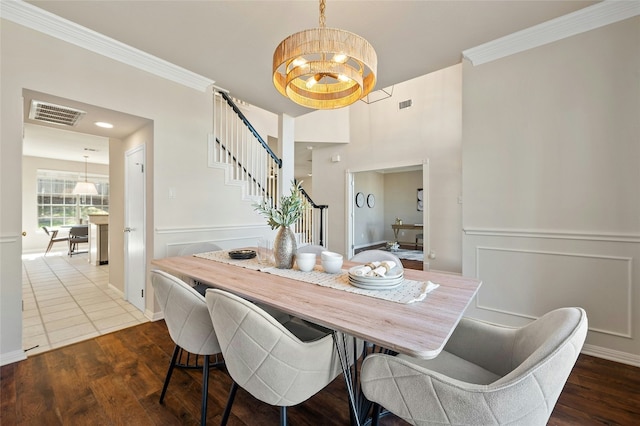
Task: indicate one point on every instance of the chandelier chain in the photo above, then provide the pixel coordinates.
(322, 7)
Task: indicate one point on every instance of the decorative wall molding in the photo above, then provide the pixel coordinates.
(553, 234)
(628, 297)
(27, 15)
(583, 20)
(177, 230)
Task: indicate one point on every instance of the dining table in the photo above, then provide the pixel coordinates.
(416, 326)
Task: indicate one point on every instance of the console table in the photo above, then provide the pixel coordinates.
(397, 227)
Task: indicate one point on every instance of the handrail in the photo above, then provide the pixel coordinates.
(321, 208)
(247, 172)
(246, 122)
(314, 205)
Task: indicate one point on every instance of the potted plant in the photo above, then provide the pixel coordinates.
(281, 217)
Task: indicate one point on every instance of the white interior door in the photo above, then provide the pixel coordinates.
(134, 231)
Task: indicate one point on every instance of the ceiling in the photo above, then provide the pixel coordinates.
(63, 142)
(232, 42)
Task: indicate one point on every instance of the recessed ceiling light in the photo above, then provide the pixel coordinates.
(104, 125)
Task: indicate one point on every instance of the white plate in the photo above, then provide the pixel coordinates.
(375, 286)
(376, 283)
(395, 273)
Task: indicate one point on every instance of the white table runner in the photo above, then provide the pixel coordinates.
(408, 292)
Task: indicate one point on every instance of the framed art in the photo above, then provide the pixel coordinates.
(359, 199)
(420, 200)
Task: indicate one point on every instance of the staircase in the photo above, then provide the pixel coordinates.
(250, 163)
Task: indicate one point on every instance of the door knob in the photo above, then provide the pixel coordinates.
(127, 229)
(24, 233)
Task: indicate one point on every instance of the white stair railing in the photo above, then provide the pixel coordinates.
(250, 161)
(237, 144)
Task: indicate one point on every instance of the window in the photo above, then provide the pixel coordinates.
(57, 206)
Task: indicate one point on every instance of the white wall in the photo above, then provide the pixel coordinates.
(204, 208)
(551, 184)
(382, 136)
(401, 200)
(369, 222)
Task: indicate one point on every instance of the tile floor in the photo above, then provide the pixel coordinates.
(67, 300)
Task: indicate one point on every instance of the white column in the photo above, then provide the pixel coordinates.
(286, 150)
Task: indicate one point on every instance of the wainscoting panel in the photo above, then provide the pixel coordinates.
(528, 283)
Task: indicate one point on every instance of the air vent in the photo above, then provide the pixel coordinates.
(405, 104)
(56, 114)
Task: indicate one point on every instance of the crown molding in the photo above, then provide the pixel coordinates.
(37, 19)
(583, 20)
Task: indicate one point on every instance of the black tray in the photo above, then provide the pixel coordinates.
(242, 254)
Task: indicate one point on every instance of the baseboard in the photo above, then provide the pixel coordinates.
(117, 290)
(11, 357)
(153, 316)
(612, 355)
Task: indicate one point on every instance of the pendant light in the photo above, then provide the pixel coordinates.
(324, 68)
(85, 188)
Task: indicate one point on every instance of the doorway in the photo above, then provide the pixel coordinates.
(399, 193)
(77, 300)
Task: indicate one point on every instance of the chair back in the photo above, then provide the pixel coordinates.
(46, 230)
(375, 256)
(265, 358)
(186, 314)
(531, 364)
(78, 232)
(311, 248)
(549, 347)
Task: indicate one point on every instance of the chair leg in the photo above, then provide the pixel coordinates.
(283, 416)
(172, 364)
(227, 409)
(375, 414)
(205, 390)
(48, 247)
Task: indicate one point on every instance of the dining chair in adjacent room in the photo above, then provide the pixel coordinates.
(187, 318)
(375, 256)
(279, 364)
(53, 234)
(487, 374)
(78, 235)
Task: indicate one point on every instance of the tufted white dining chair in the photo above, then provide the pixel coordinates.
(189, 323)
(279, 364)
(375, 256)
(486, 375)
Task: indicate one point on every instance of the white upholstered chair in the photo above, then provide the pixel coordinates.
(311, 248)
(187, 318)
(203, 247)
(375, 256)
(486, 375)
(279, 364)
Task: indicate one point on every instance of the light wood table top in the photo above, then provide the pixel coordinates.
(419, 329)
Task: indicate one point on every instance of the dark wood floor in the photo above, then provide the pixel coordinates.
(117, 378)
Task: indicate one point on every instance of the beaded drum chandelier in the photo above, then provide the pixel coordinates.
(324, 68)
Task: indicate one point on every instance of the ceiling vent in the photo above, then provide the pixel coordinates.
(56, 114)
(405, 104)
